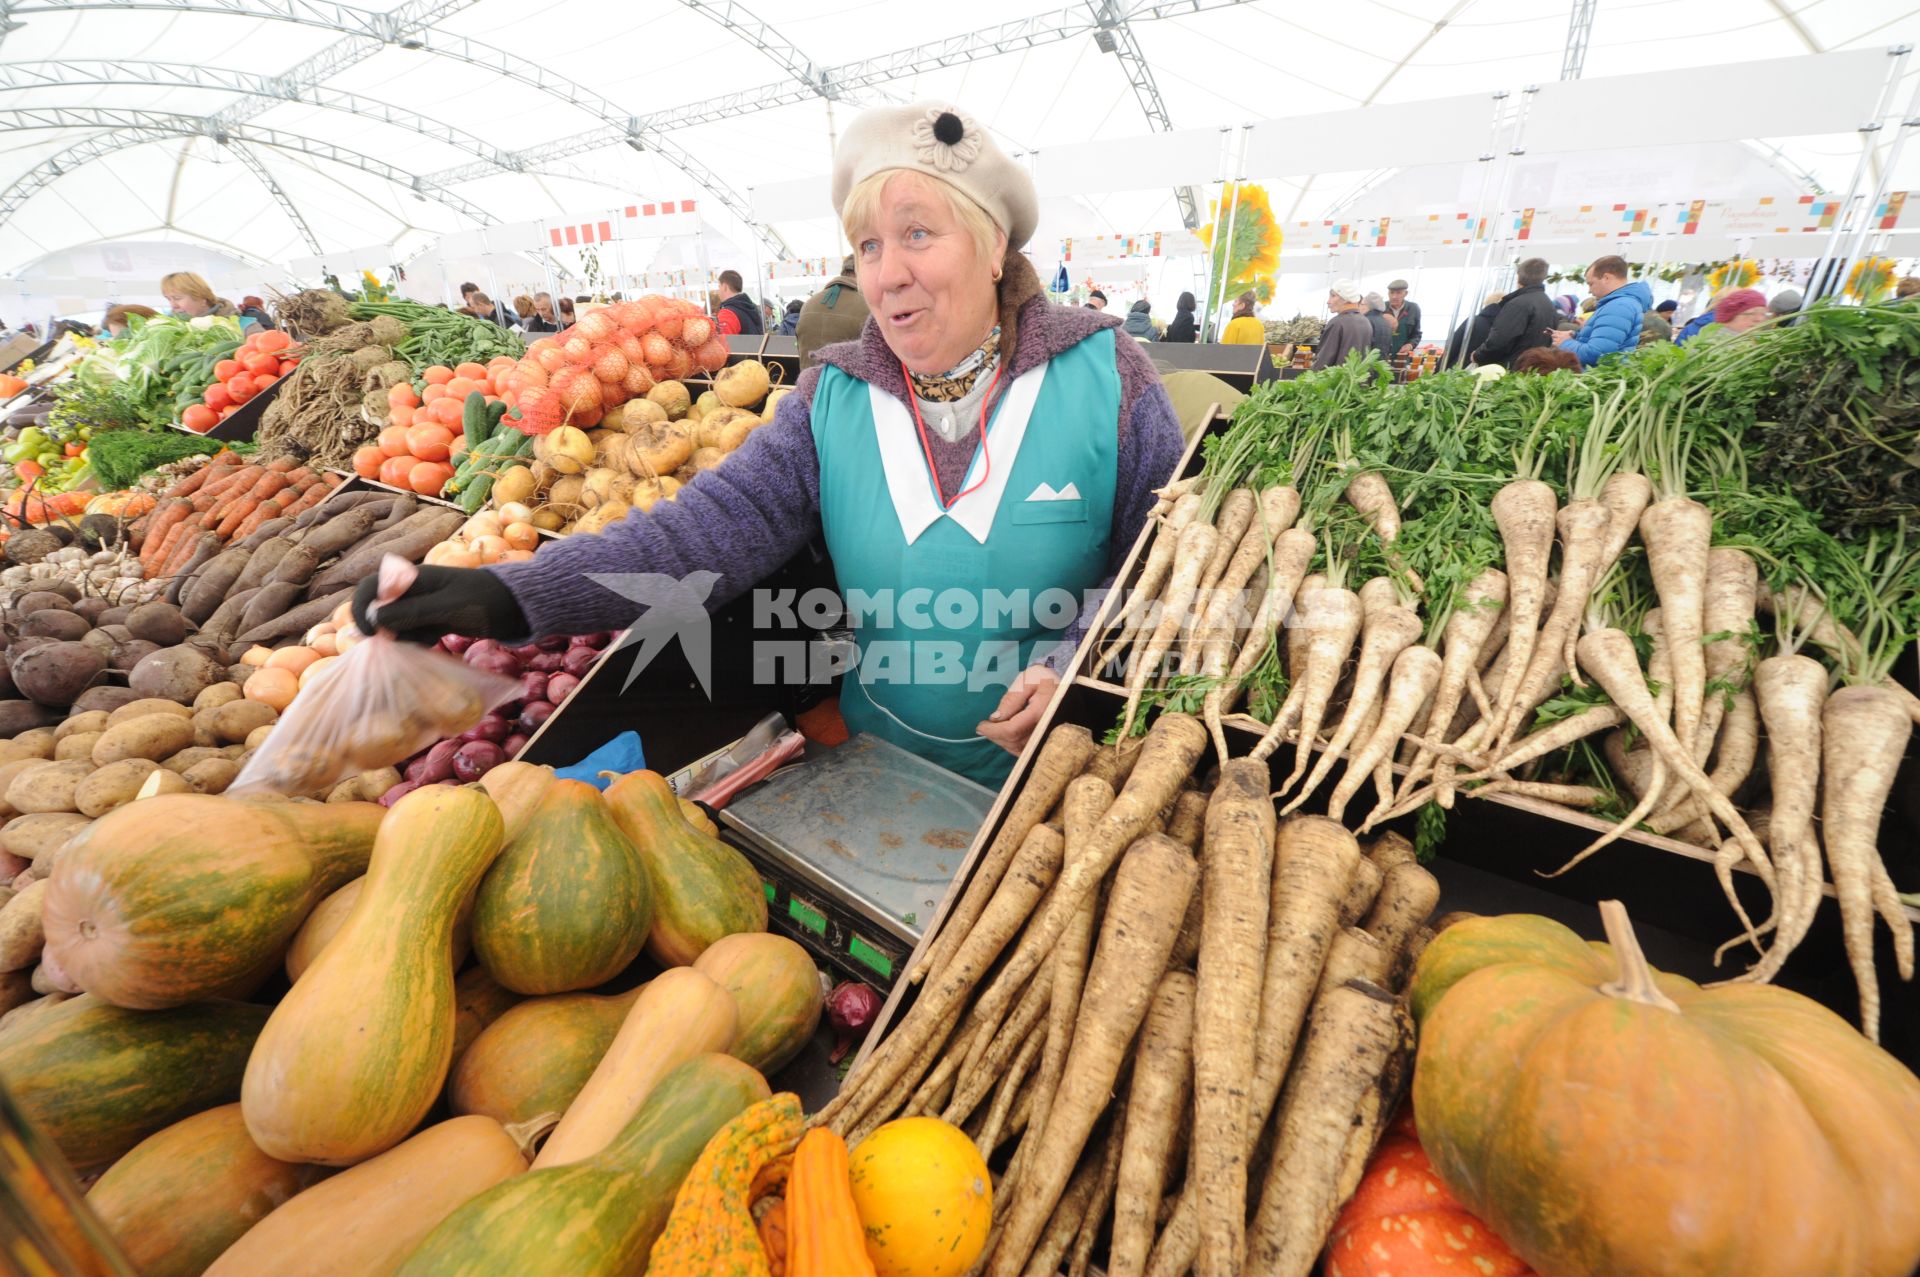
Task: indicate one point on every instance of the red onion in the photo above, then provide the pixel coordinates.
(476, 759)
(457, 643)
(481, 647)
(598, 639)
(514, 744)
(525, 652)
(532, 714)
(851, 1009)
(499, 661)
(439, 761)
(398, 792)
(552, 642)
(493, 727)
(560, 686)
(546, 662)
(415, 769)
(533, 687)
(579, 660)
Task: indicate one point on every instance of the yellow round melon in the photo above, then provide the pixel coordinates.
(924, 1198)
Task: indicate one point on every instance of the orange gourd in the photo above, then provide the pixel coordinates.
(711, 1232)
(824, 1237)
(924, 1197)
(1607, 1122)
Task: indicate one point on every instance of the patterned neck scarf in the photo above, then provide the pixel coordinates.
(958, 381)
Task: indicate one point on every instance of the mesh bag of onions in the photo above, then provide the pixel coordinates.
(382, 702)
(615, 353)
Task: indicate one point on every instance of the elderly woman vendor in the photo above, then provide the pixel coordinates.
(973, 438)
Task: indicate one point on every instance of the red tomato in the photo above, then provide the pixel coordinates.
(259, 362)
(472, 372)
(462, 386)
(29, 470)
(446, 411)
(435, 390)
(428, 477)
(430, 442)
(75, 448)
(402, 416)
(367, 461)
(394, 470)
(438, 375)
(228, 411)
(225, 369)
(287, 366)
(217, 397)
(273, 339)
(403, 394)
(199, 418)
(240, 386)
(393, 441)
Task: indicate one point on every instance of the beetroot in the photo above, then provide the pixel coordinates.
(533, 687)
(514, 744)
(476, 758)
(579, 660)
(560, 686)
(547, 662)
(532, 714)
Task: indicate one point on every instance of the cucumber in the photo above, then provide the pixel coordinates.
(473, 420)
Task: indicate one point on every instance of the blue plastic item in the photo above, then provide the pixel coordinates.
(620, 755)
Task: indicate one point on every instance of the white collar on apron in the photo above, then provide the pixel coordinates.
(913, 486)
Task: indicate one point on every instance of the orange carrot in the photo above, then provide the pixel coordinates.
(241, 511)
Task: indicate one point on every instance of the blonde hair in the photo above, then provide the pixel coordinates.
(184, 283)
(862, 209)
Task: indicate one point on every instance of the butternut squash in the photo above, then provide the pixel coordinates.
(516, 788)
(331, 914)
(598, 1217)
(182, 1195)
(353, 1056)
(529, 1065)
(189, 896)
(702, 888)
(777, 988)
(478, 1000)
(372, 1216)
(681, 1014)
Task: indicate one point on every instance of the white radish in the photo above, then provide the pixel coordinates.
(1583, 531)
(1482, 603)
(1196, 544)
(1864, 732)
(1677, 533)
(1524, 512)
(1416, 671)
(1385, 633)
(1331, 619)
(1791, 692)
(1292, 553)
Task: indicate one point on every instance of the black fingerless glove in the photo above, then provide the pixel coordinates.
(470, 602)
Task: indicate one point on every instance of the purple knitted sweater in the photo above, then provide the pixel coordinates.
(746, 518)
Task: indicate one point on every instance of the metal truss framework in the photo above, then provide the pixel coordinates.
(412, 26)
(122, 129)
(259, 170)
(1579, 31)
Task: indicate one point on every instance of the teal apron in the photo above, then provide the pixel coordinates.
(949, 605)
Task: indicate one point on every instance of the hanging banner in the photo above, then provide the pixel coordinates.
(804, 268)
(1433, 230)
(1896, 212)
(1083, 249)
(1318, 237)
(1584, 222)
(1766, 215)
(643, 219)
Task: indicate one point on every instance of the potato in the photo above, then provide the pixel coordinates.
(20, 748)
(38, 835)
(93, 720)
(216, 696)
(7, 772)
(161, 781)
(239, 720)
(154, 736)
(79, 746)
(365, 787)
(190, 755)
(16, 991)
(145, 706)
(21, 936)
(212, 776)
(48, 787)
(40, 740)
(112, 786)
(240, 751)
(257, 737)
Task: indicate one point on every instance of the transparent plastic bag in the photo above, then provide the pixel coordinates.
(376, 706)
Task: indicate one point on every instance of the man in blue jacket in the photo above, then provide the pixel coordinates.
(1615, 325)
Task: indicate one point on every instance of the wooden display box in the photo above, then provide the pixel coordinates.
(1498, 852)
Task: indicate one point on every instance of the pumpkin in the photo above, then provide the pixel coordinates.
(568, 904)
(178, 898)
(329, 915)
(478, 1000)
(703, 889)
(777, 988)
(529, 1064)
(1605, 1121)
(711, 1232)
(355, 1054)
(516, 788)
(367, 1219)
(1402, 1222)
(97, 1079)
(599, 1217)
(824, 1237)
(924, 1198)
(183, 1195)
(679, 1015)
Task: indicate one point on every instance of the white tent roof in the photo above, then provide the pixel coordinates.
(274, 129)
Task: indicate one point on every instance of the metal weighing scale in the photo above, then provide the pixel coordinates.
(857, 844)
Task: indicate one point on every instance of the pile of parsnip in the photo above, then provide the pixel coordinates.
(1564, 588)
(1181, 1013)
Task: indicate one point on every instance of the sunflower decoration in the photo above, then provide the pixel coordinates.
(1250, 261)
(371, 289)
(1870, 279)
(1739, 273)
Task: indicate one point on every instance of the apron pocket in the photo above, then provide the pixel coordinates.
(1073, 510)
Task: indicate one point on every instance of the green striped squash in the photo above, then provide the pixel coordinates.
(532, 1061)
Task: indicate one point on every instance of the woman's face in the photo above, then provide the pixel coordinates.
(1748, 320)
(183, 304)
(930, 291)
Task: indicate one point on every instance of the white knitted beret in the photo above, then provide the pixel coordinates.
(942, 141)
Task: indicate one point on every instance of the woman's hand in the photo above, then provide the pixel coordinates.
(1019, 710)
(470, 602)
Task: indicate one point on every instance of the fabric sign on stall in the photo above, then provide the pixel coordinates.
(1584, 222)
(1767, 215)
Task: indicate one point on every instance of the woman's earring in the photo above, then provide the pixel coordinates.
(996, 274)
